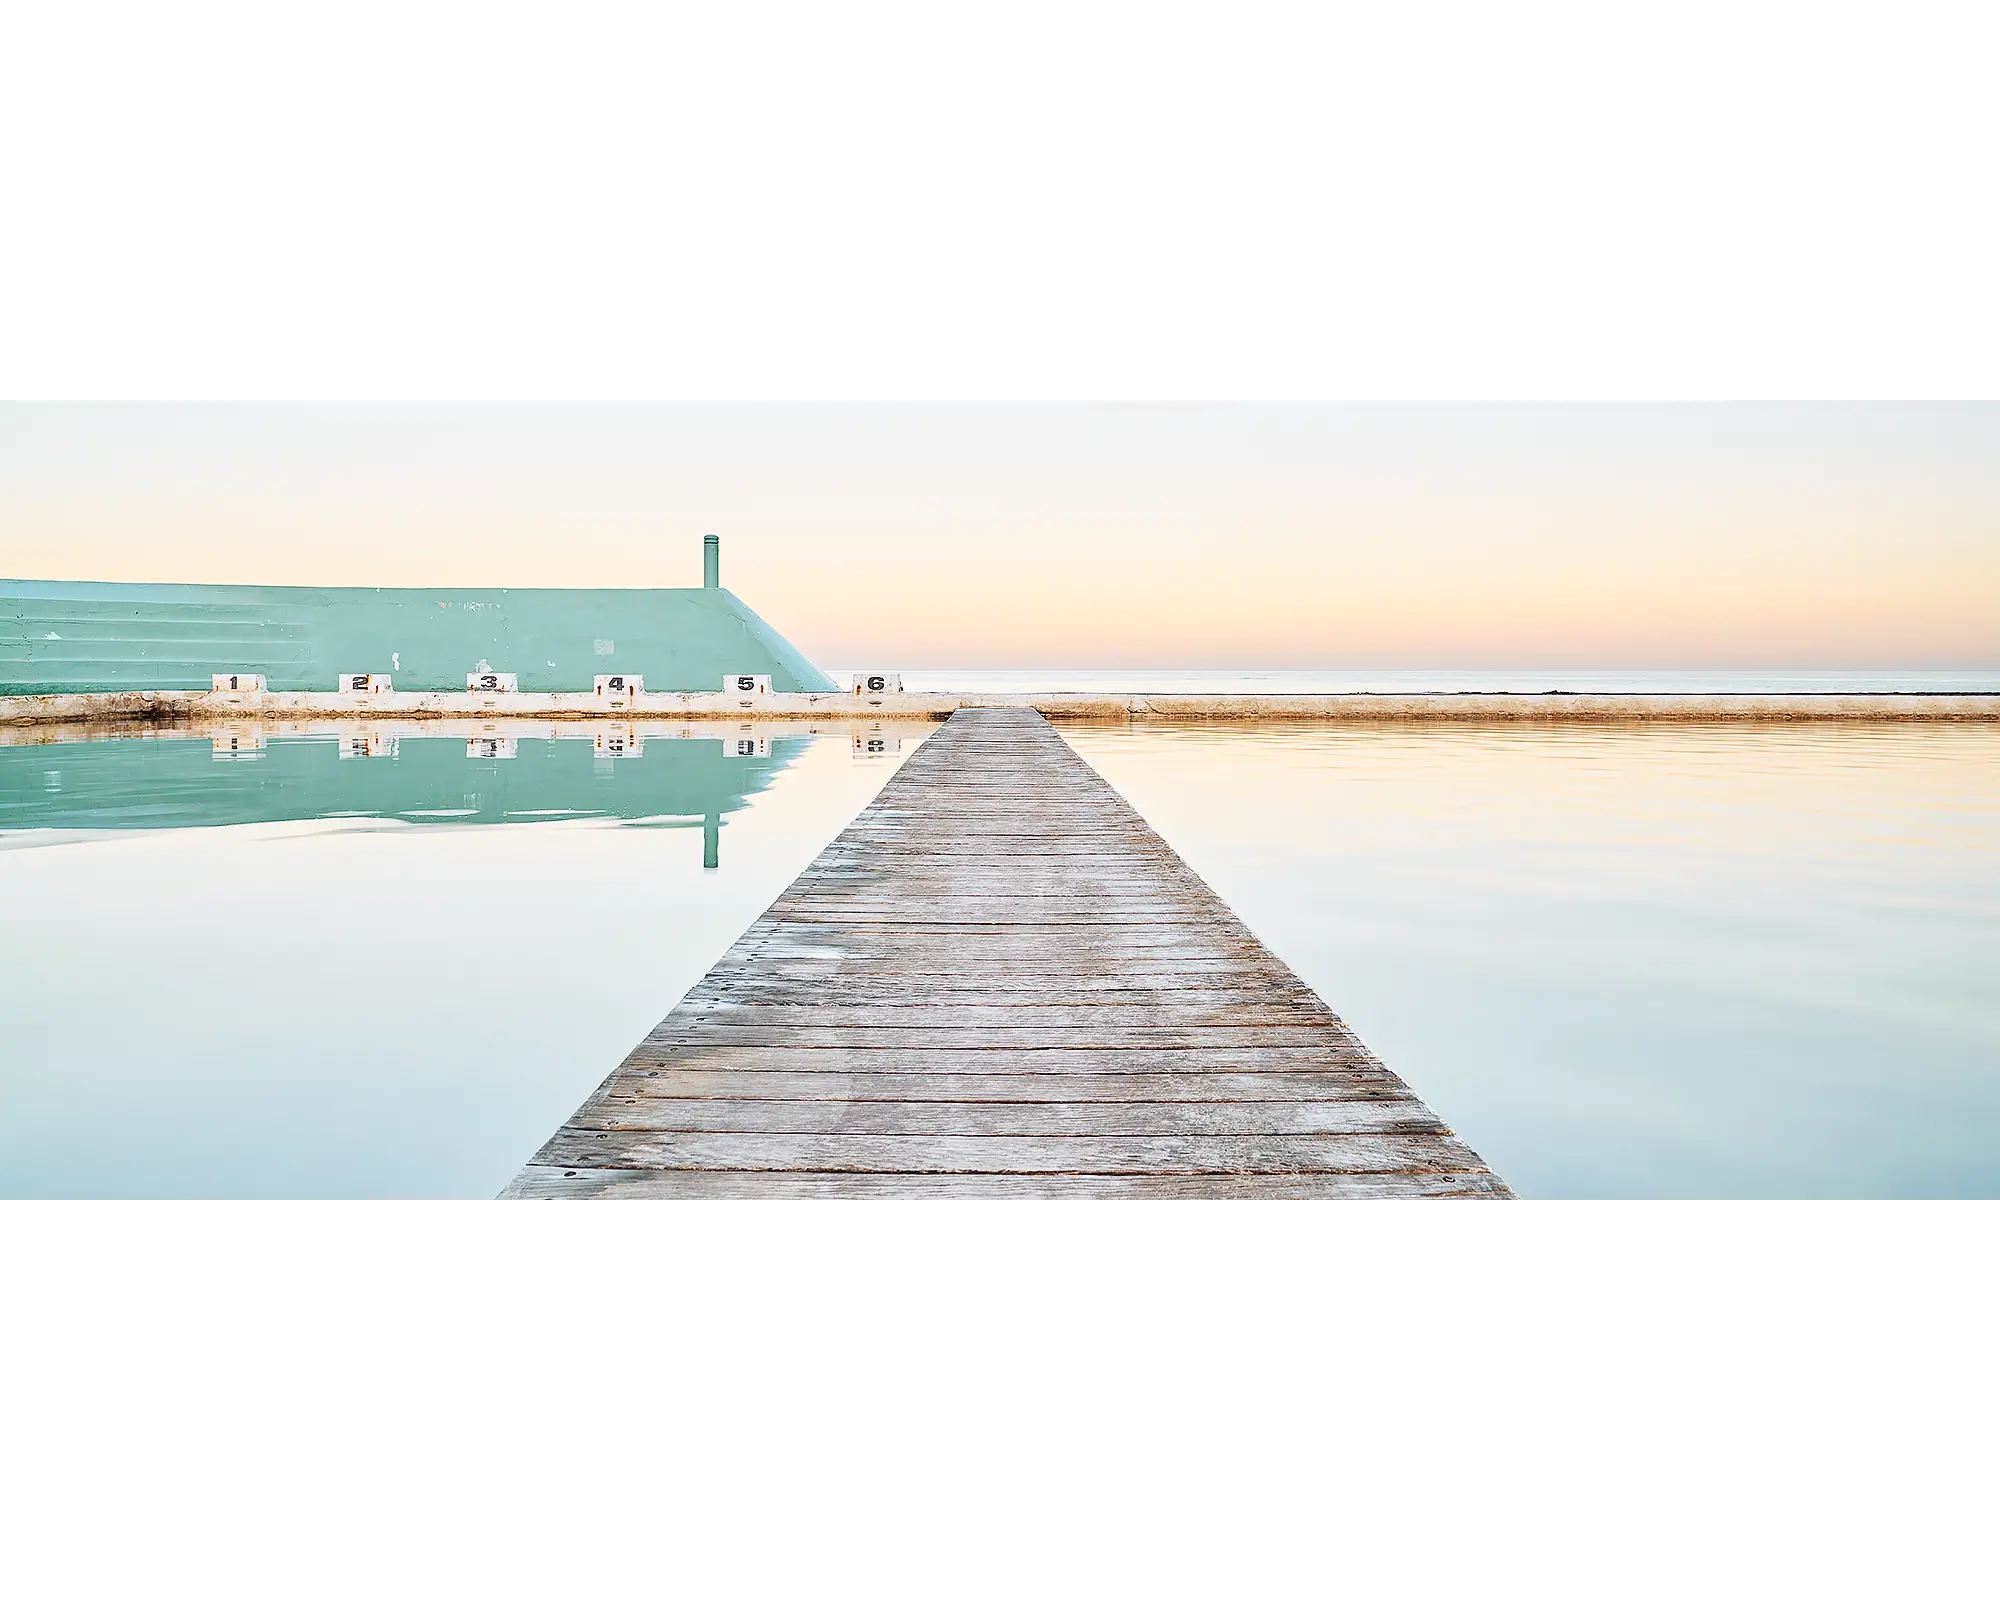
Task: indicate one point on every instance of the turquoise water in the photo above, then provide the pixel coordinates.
(1667, 961)
(377, 963)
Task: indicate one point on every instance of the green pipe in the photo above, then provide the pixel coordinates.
(711, 561)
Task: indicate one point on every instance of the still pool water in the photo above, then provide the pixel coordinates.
(1667, 961)
(370, 963)
(1638, 961)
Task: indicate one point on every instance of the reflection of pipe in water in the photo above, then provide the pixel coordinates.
(711, 840)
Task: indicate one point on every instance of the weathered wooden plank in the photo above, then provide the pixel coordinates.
(1332, 1056)
(856, 989)
(1081, 1021)
(707, 1082)
(946, 970)
(537, 1182)
(1000, 981)
(1016, 939)
(942, 1034)
(867, 1152)
(1042, 1012)
(652, 1114)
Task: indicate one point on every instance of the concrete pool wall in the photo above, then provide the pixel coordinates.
(163, 705)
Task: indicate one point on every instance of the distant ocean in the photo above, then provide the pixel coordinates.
(1441, 680)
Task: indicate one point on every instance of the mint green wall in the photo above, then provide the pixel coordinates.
(74, 638)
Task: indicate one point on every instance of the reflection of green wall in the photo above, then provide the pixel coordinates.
(181, 783)
(77, 638)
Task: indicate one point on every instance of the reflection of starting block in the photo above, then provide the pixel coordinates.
(366, 744)
(742, 744)
(878, 683)
(229, 746)
(618, 742)
(873, 743)
(493, 682)
(752, 683)
(618, 688)
(363, 683)
(238, 682)
(492, 747)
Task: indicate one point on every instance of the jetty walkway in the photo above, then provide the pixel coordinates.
(1000, 982)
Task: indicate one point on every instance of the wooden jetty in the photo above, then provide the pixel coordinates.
(1000, 982)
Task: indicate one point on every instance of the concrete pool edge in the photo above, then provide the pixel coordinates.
(167, 705)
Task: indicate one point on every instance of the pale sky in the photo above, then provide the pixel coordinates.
(1088, 536)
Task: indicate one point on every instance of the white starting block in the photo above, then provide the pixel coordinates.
(878, 683)
(618, 688)
(493, 682)
(874, 744)
(363, 683)
(235, 746)
(742, 744)
(617, 742)
(757, 683)
(359, 746)
(238, 683)
(492, 747)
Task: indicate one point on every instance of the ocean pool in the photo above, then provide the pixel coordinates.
(364, 959)
(382, 960)
(1643, 960)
